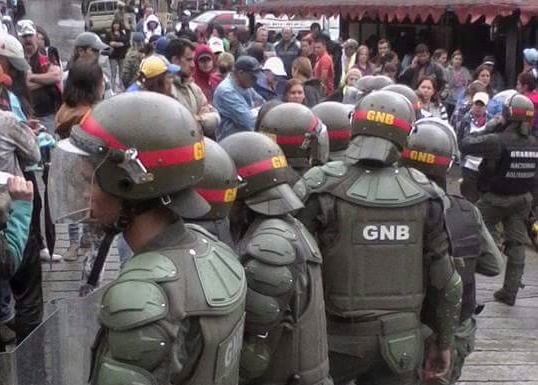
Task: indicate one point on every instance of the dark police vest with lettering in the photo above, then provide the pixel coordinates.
(464, 232)
(515, 171)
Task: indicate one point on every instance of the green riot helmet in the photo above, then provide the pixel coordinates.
(300, 134)
(219, 185)
(518, 108)
(263, 170)
(379, 128)
(446, 128)
(381, 81)
(429, 149)
(337, 118)
(144, 148)
(366, 84)
(408, 93)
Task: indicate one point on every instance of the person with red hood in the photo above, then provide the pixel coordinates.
(526, 85)
(205, 75)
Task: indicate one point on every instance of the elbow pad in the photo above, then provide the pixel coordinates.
(453, 289)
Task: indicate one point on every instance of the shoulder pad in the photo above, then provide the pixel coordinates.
(418, 176)
(389, 187)
(201, 230)
(270, 243)
(150, 266)
(129, 304)
(337, 168)
(316, 179)
(221, 274)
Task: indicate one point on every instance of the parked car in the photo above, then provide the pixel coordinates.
(227, 19)
(99, 15)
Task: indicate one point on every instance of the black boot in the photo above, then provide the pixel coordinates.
(512, 283)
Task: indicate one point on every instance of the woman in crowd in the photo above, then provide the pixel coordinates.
(18, 147)
(225, 63)
(463, 105)
(428, 93)
(43, 43)
(83, 88)
(294, 92)
(458, 78)
(216, 30)
(301, 69)
(483, 73)
(118, 40)
(526, 85)
(473, 121)
(363, 61)
(352, 77)
(205, 75)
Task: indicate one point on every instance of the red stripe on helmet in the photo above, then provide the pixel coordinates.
(218, 196)
(522, 112)
(288, 140)
(397, 122)
(92, 127)
(255, 168)
(426, 157)
(150, 159)
(344, 134)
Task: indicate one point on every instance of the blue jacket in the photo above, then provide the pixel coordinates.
(266, 92)
(234, 105)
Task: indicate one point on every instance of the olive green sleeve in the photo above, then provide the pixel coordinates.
(490, 260)
(443, 280)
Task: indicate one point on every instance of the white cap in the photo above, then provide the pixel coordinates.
(26, 28)
(275, 65)
(216, 44)
(481, 97)
(12, 49)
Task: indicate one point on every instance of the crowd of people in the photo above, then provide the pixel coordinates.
(280, 208)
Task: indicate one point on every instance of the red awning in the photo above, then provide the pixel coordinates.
(398, 10)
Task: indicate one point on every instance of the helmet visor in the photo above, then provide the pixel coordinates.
(70, 184)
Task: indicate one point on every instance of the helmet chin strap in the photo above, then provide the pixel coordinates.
(130, 209)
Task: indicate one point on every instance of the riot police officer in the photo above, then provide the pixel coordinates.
(382, 234)
(285, 338)
(336, 116)
(506, 179)
(300, 134)
(219, 189)
(175, 314)
(431, 149)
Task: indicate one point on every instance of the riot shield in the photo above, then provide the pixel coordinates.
(58, 351)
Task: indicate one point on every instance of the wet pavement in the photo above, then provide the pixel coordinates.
(61, 19)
